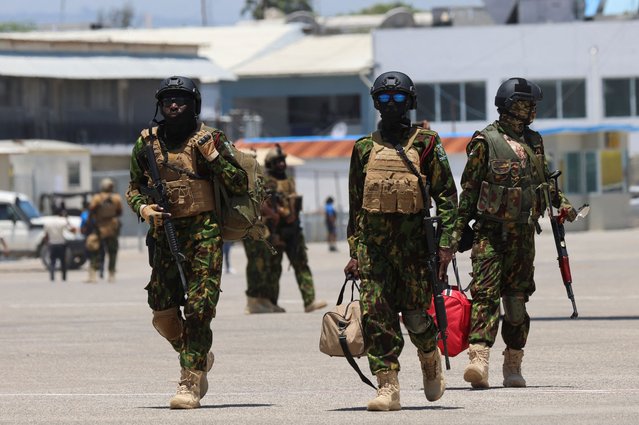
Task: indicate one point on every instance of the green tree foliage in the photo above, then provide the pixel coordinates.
(382, 8)
(16, 27)
(117, 17)
(257, 7)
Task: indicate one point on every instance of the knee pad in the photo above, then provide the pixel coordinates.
(168, 323)
(415, 321)
(514, 309)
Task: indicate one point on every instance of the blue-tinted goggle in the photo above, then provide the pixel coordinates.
(397, 97)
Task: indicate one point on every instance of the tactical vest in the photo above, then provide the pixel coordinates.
(106, 215)
(390, 186)
(509, 190)
(188, 194)
(106, 207)
(286, 189)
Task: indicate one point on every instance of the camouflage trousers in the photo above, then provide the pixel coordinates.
(108, 247)
(294, 246)
(258, 267)
(502, 258)
(393, 280)
(200, 241)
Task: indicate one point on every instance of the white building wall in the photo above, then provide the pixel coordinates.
(585, 50)
(37, 173)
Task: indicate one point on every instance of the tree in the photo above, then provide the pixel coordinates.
(116, 17)
(382, 8)
(258, 7)
(16, 27)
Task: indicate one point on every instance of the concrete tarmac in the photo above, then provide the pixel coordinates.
(81, 353)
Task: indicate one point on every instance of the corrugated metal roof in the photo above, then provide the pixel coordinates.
(327, 147)
(315, 55)
(40, 146)
(228, 47)
(88, 66)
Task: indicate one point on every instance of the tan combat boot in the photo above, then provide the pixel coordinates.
(188, 391)
(93, 277)
(477, 370)
(111, 277)
(315, 305)
(512, 368)
(434, 383)
(204, 382)
(387, 392)
(256, 305)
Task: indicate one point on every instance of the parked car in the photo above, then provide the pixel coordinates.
(22, 228)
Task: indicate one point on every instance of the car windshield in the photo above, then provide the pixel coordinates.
(27, 207)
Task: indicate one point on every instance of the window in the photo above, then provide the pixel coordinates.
(316, 114)
(450, 100)
(10, 91)
(76, 95)
(562, 99)
(102, 95)
(73, 173)
(620, 97)
(582, 174)
(464, 101)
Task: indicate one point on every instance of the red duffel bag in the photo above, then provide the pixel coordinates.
(458, 315)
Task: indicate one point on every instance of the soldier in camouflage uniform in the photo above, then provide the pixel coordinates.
(105, 208)
(261, 292)
(191, 158)
(281, 214)
(387, 240)
(502, 190)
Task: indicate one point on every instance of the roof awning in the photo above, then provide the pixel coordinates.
(329, 147)
(260, 155)
(100, 66)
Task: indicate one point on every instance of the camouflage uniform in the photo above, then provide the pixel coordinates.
(285, 238)
(504, 247)
(200, 241)
(390, 249)
(257, 270)
(108, 228)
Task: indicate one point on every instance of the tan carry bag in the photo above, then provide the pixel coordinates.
(342, 332)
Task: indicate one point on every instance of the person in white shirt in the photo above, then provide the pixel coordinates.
(54, 237)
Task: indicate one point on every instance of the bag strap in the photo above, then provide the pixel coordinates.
(342, 338)
(352, 362)
(350, 277)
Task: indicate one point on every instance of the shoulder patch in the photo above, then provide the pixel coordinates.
(441, 153)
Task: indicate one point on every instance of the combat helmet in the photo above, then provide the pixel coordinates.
(273, 155)
(106, 185)
(515, 89)
(394, 80)
(181, 84)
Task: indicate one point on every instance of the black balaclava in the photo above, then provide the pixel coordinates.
(175, 130)
(277, 168)
(395, 121)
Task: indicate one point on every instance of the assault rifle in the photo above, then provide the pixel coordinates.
(158, 193)
(432, 227)
(558, 231)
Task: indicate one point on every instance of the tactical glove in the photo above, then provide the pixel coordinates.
(206, 146)
(567, 212)
(153, 214)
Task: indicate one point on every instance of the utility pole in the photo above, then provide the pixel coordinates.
(203, 7)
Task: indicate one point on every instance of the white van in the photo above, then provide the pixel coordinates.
(22, 228)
